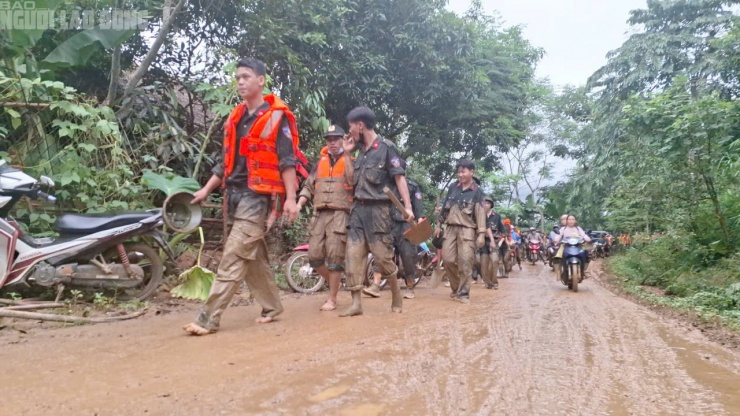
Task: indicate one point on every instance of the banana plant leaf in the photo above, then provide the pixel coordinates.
(170, 185)
(196, 281)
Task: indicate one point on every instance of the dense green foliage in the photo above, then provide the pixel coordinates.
(657, 137)
(443, 86)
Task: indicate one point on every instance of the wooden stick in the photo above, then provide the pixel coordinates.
(32, 306)
(4, 313)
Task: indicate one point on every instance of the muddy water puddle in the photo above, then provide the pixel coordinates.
(709, 365)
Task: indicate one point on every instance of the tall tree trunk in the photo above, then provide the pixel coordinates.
(115, 70)
(115, 76)
(168, 18)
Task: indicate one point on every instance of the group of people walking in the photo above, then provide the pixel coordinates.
(352, 214)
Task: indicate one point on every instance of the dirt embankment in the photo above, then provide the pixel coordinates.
(531, 347)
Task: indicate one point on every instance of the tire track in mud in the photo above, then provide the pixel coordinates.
(532, 347)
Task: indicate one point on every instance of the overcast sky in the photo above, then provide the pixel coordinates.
(575, 34)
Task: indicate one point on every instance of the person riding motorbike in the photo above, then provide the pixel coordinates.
(573, 230)
(516, 243)
(533, 237)
(552, 247)
(555, 231)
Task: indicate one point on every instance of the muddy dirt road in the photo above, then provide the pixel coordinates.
(531, 347)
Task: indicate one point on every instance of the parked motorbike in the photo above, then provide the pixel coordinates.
(572, 268)
(598, 249)
(303, 278)
(96, 251)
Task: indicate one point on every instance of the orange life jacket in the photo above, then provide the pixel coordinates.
(260, 146)
(331, 189)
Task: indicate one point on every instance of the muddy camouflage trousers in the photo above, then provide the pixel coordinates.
(244, 259)
(458, 252)
(407, 250)
(369, 230)
(327, 240)
(489, 266)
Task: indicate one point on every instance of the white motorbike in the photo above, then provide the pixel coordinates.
(93, 252)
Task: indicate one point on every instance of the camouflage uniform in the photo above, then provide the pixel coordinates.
(406, 249)
(491, 258)
(370, 219)
(464, 218)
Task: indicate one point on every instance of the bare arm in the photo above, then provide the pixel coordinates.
(308, 190)
(349, 168)
(290, 208)
(202, 194)
(348, 144)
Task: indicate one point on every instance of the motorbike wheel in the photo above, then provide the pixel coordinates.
(369, 275)
(149, 261)
(575, 275)
(301, 276)
(564, 273)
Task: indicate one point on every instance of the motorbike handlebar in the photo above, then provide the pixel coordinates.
(48, 198)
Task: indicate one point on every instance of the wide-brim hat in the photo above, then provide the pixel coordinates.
(334, 131)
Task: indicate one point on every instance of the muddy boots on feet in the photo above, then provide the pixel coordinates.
(373, 290)
(356, 307)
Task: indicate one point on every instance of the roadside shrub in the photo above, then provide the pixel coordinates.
(711, 300)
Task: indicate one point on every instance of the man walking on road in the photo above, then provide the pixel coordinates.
(408, 251)
(490, 257)
(377, 166)
(465, 229)
(331, 191)
(259, 166)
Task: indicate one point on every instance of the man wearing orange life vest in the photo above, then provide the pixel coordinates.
(330, 188)
(259, 167)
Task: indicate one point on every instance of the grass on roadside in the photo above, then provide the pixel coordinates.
(689, 282)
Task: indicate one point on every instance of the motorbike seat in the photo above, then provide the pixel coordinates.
(94, 223)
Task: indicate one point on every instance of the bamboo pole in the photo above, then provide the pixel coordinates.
(32, 306)
(4, 313)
